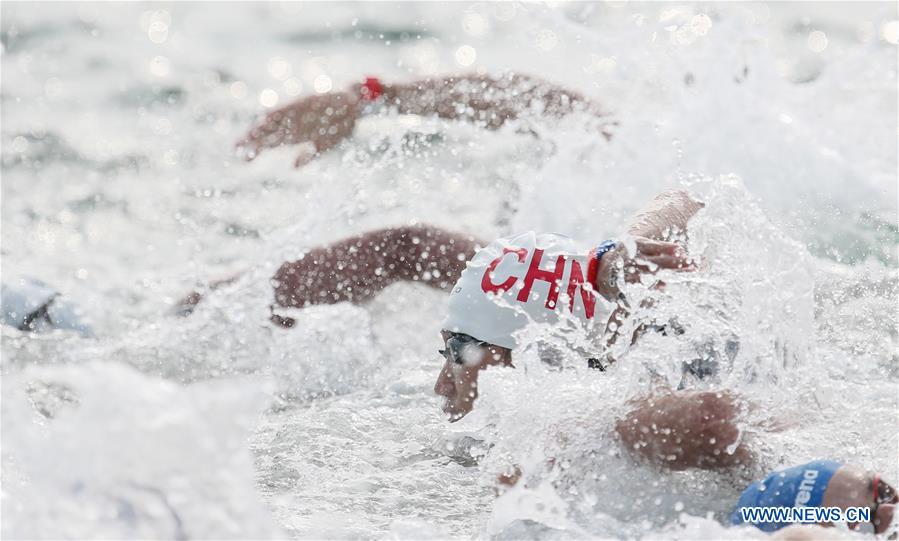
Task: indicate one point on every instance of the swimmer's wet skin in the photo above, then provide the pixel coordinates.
(680, 430)
(822, 483)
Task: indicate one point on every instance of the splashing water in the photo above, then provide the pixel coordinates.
(119, 189)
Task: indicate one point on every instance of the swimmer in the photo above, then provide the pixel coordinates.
(502, 287)
(822, 483)
(321, 122)
(497, 290)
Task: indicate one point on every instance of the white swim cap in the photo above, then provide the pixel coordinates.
(518, 280)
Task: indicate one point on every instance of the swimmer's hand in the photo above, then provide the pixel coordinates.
(651, 256)
(320, 121)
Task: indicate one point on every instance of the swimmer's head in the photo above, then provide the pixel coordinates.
(516, 281)
(509, 284)
(464, 358)
(821, 483)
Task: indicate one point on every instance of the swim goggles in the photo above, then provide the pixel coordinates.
(457, 344)
(883, 493)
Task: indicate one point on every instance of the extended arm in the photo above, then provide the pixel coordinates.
(356, 268)
(325, 120)
(488, 100)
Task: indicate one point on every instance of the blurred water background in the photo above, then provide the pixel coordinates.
(121, 189)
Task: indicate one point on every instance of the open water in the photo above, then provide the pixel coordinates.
(120, 187)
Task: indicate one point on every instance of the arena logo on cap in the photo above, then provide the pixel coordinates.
(806, 486)
(553, 277)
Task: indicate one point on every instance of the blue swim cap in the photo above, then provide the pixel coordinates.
(799, 486)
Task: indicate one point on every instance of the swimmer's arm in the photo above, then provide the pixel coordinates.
(357, 268)
(682, 430)
(491, 101)
(323, 121)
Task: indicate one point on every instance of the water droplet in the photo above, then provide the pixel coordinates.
(817, 41)
(466, 55)
(322, 84)
(268, 98)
